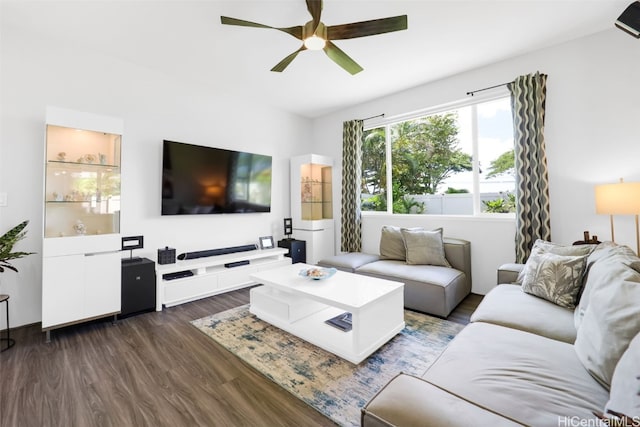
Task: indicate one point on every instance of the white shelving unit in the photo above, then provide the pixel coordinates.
(211, 277)
(312, 204)
(81, 238)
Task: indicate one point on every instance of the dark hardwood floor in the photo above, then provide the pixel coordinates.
(154, 369)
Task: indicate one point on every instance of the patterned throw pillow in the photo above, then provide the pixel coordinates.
(424, 247)
(541, 246)
(556, 278)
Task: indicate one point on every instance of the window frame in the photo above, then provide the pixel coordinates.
(472, 101)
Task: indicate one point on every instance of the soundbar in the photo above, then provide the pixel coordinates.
(237, 263)
(214, 252)
(177, 275)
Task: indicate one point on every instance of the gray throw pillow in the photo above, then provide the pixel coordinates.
(542, 246)
(556, 278)
(392, 244)
(424, 247)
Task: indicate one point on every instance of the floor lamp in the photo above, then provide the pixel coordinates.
(622, 198)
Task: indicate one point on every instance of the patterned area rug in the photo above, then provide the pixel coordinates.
(331, 385)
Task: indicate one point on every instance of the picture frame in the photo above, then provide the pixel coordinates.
(266, 242)
(288, 227)
(132, 242)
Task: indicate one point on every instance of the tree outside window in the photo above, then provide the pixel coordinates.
(432, 164)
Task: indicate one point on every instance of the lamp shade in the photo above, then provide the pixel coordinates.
(622, 198)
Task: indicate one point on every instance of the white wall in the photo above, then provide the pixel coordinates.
(36, 73)
(591, 134)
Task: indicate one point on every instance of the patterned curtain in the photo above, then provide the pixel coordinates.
(528, 97)
(351, 178)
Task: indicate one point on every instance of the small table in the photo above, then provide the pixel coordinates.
(301, 306)
(10, 341)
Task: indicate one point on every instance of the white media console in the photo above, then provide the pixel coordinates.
(211, 277)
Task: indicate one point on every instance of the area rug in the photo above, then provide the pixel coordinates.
(331, 385)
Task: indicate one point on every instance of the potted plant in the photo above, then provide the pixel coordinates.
(7, 241)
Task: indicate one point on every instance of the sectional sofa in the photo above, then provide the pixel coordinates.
(555, 342)
(435, 270)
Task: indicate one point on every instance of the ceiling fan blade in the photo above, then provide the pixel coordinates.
(367, 28)
(286, 61)
(294, 31)
(341, 58)
(315, 9)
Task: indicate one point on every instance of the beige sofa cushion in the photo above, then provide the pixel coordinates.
(625, 384)
(411, 401)
(507, 305)
(519, 375)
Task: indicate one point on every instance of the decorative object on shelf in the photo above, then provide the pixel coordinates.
(587, 240)
(307, 190)
(288, 227)
(62, 156)
(166, 255)
(103, 158)
(317, 273)
(622, 198)
(89, 158)
(7, 241)
(130, 243)
(266, 242)
(79, 228)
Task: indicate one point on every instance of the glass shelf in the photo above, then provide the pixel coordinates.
(315, 192)
(82, 182)
(63, 164)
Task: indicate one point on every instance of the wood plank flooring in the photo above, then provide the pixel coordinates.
(153, 369)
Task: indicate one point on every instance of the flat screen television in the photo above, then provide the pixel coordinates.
(206, 180)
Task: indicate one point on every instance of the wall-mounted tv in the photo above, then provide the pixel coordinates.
(207, 180)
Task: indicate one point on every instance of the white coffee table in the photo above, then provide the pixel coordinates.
(301, 306)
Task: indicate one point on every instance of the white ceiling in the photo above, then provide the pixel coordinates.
(186, 40)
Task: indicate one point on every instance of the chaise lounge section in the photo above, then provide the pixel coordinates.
(434, 284)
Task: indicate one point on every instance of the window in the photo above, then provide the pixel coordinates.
(456, 161)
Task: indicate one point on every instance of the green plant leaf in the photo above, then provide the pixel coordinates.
(7, 241)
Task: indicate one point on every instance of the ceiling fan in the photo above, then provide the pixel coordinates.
(315, 35)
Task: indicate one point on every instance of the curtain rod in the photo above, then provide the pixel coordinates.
(373, 117)
(487, 88)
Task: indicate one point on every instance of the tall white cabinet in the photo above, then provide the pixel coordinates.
(81, 241)
(312, 204)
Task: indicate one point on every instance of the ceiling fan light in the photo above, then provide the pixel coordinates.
(314, 43)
